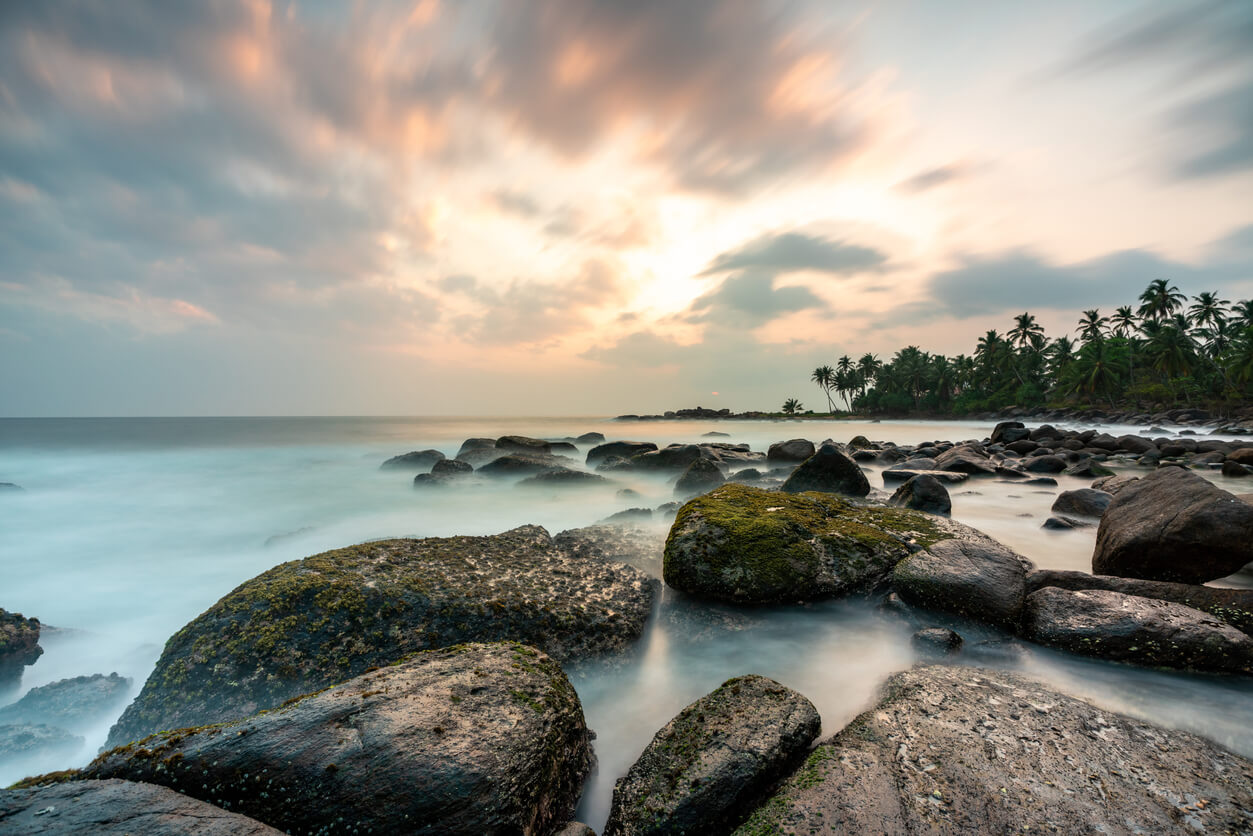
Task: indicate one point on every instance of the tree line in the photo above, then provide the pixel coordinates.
(1168, 349)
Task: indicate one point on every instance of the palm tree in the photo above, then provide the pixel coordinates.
(824, 376)
(1025, 326)
(867, 367)
(1208, 310)
(1123, 321)
(1097, 370)
(792, 406)
(1242, 314)
(1091, 326)
(1159, 300)
(1061, 353)
(1171, 352)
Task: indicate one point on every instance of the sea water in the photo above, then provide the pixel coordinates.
(126, 529)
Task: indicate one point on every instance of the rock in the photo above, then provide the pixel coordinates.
(37, 746)
(309, 623)
(1023, 447)
(1084, 502)
(795, 450)
(715, 434)
(747, 545)
(974, 576)
(623, 449)
(575, 828)
(1088, 468)
(708, 768)
(523, 444)
(1172, 525)
(674, 457)
(933, 642)
(1104, 441)
(562, 447)
(829, 470)
(965, 459)
(443, 472)
(591, 438)
(471, 445)
(1136, 444)
(860, 442)
(73, 704)
(629, 515)
(1113, 484)
(904, 474)
(748, 474)
(9, 487)
(416, 460)
(1234, 469)
(701, 475)
(951, 750)
(563, 477)
(864, 456)
(1234, 606)
(923, 493)
(638, 546)
(1044, 481)
(1129, 628)
(117, 808)
(1044, 464)
(1063, 523)
(477, 738)
(1243, 455)
(522, 464)
(1008, 431)
(19, 647)
(613, 463)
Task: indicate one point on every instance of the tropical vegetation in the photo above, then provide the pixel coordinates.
(1166, 350)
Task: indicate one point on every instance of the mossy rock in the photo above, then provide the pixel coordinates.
(311, 623)
(748, 545)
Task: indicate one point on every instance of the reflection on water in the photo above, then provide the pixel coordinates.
(129, 529)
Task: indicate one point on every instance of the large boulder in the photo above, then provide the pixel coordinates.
(923, 493)
(950, 750)
(972, 576)
(708, 768)
(310, 623)
(477, 738)
(1129, 628)
(1083, 502)
(523, 444)
(829, 470)
(675, 457)
(1172, 525)
(965, 459)
(74, 704)
(1136, 444)
(701, 475)
(1044, 464)
(1234, 606)
(747, 545)
(117, 808)
(19, 647)
(624, 449)
(1008, 432)
(795, 450)
(416, 460)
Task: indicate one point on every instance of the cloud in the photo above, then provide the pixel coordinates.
(933, 178)
(790, 252)
(517, 203)
(750, 299)
(1209, 47)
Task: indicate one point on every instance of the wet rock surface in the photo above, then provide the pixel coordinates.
(709, 766)
(795, 450)
(701, 475)
(1129, 628)
(310, 623)
(416, 460)
(117, 808)
(478, 738)
(746, 545)
(923, 493)
(1172, 525)
(70, 703)
(829, 470)
(19, 647)
(953, 750)
(1084, 502)
(971, 576)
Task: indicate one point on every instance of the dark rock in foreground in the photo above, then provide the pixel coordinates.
(747, 545)
(310, 623)
(796, 450)
(19, 647)
(701, 475)
(1128, 628)
(953, 750)
(416, 460)
(1172, 525)
(1084, 502)
(710, 766)
(70, 703)
(975, 577)
(478, 738)
(935, 642)
(117, 808)
(829, 470)
(923, 493)
(1234, 606)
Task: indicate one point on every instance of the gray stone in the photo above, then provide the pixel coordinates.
(923, 493)
(1084, 502)
(416, 460)
(973, 576)
(796, 450)
(829, 470)
(701, 476)
(73, 704)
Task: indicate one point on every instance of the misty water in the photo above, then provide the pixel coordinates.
(129, 528)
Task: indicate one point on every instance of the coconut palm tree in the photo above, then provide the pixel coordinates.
(824, 376)
(792, 406)
(1097, 370)
(1159, 300)
(1208, 310)
(867, 367)
(1024, 327)
(1091, 326)
(1123, 321)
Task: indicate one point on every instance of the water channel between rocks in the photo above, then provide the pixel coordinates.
(129, 528)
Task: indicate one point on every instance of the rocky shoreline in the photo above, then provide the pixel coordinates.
(418, 685)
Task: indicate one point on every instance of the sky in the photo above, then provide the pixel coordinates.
(554, 207)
